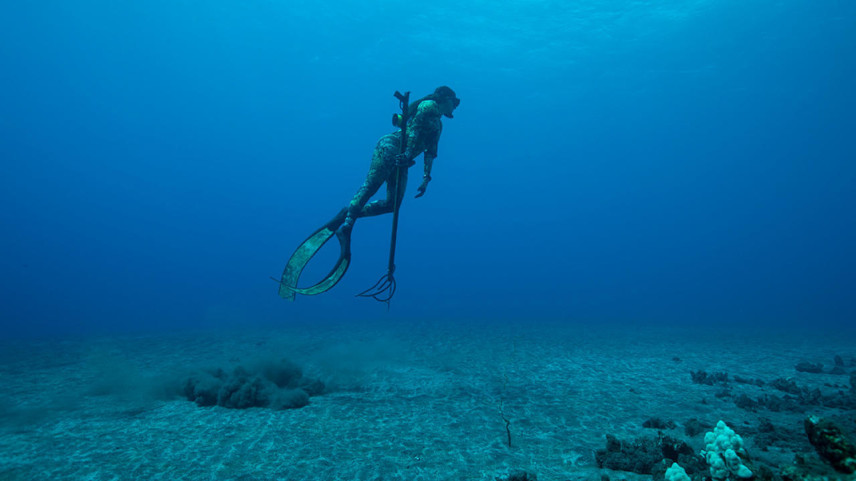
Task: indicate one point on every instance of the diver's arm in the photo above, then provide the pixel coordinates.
(431, 150)
(428, 160)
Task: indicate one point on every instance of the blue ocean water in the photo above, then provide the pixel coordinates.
(610, 162)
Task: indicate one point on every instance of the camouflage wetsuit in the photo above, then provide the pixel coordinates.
(423, 134)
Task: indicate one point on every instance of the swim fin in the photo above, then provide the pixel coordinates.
(304, 253)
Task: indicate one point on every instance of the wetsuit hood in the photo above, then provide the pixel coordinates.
(443, 93)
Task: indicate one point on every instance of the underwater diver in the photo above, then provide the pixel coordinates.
(419, 132)
(423, 135)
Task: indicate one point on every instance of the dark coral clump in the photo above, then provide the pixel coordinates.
(709, 379)
(694, 427)
(645, 455)
(809, 367)
(657, 423)
(519, 475)
(275, 385)
(831, 443)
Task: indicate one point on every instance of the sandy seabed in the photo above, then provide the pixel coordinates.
(404, 402)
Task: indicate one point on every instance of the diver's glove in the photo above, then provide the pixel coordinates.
(404, 160)
(423, 186)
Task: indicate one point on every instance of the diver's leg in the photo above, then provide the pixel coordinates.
(381, 167)
(386, 206)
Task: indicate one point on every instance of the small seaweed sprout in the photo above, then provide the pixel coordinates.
(507, 422)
